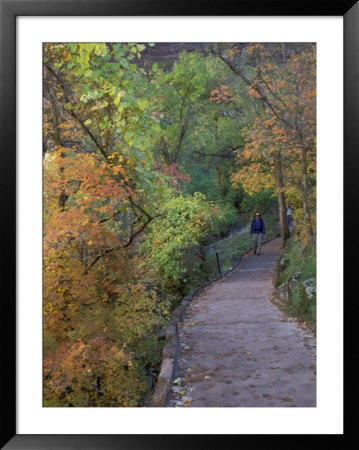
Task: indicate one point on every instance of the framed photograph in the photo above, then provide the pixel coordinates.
(146, 147)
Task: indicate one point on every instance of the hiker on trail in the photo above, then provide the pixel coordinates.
(257, 232)
(289, 215)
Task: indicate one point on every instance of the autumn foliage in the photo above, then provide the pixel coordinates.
(102, 190)
(281, 141)
(140, 165)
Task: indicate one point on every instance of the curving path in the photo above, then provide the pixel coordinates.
(240, 350)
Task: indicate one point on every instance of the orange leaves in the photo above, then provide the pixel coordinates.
(253, 93)
(281, 142)
(89, 183)
(222, 95)
(74, 237)
(234, 50)
(255, 47)
(98, 318)
(92, 373)
(116, 170)
(173, 176)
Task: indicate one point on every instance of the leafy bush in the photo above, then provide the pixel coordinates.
(227, 215)
(185, 220)
(96, 373)
(302, 258)
(303, 308)
(302, 262)
(103, 361)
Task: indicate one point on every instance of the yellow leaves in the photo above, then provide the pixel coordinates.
(117, 169)
(48, 308)
(248, 152)
(250, 49)
(254, 178)
(117, 98)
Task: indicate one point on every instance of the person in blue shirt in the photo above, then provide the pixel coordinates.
(257, 232)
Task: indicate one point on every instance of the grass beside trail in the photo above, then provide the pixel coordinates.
(231, 249)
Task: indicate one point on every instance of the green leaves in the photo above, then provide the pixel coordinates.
(133, 221)
(142, 103)
(128, 136)
(107, 91)
(183, 222)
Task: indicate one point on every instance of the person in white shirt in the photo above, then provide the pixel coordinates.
(289, 215)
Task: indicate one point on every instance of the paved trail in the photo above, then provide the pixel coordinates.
(238, 349)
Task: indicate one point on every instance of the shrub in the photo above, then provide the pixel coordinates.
(185, 220)
(93, 373)
(302, 261)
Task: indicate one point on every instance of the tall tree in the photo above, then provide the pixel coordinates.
(284, 82)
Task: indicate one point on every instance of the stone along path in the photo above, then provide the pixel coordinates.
(238, 349)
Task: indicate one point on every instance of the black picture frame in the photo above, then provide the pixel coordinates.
(9, 10)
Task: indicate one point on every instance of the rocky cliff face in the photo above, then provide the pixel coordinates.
(169, 51)
(166, 51)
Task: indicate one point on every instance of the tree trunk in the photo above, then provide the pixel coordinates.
(218, 174)
(278, 175)
(305, 191)
(58, 141)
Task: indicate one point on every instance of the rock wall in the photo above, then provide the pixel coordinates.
(167, 51)
(284, 290)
